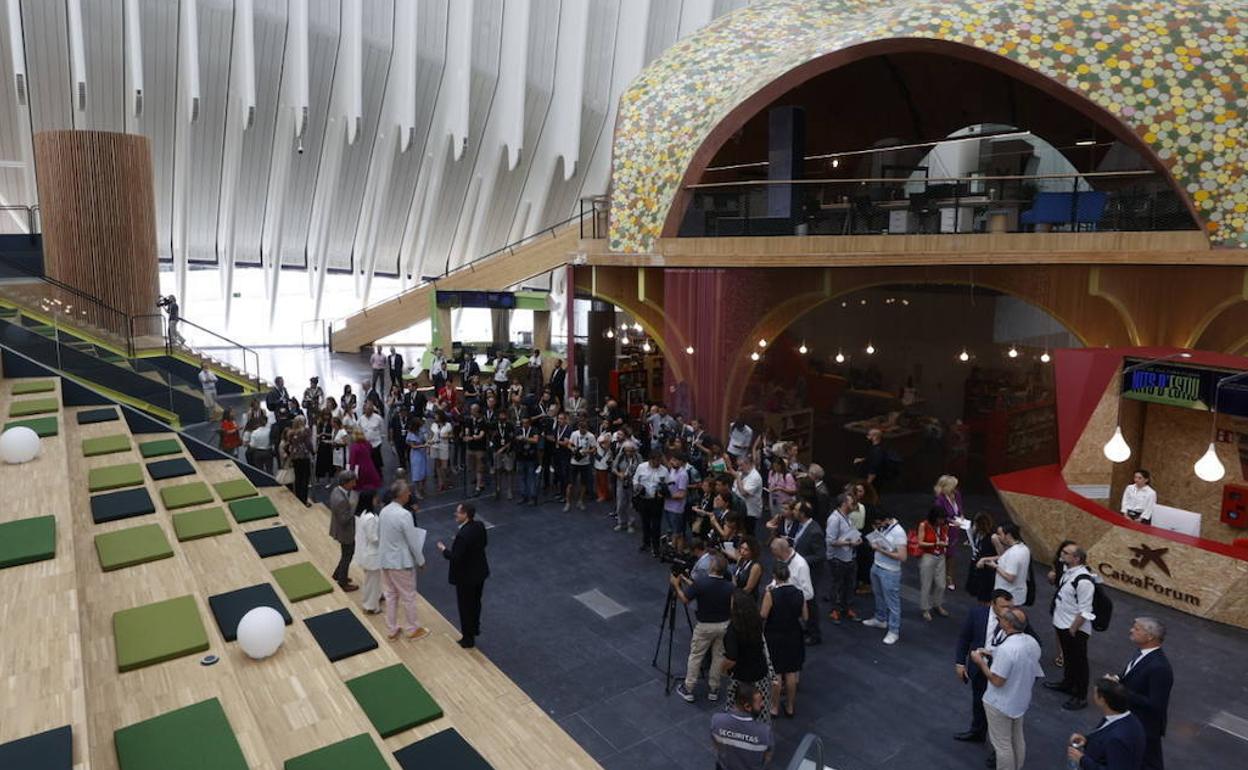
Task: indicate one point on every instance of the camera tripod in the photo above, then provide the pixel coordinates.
(667, 627)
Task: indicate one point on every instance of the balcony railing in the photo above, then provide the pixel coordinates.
(1103, 201)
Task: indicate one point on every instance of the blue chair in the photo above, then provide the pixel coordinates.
(1050, 208)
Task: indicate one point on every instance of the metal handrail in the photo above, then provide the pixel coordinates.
(809, 740)
(170, 346)
(124, 322)
(907, 180)
(31, 214)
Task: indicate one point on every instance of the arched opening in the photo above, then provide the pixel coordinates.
(842, 144)
(958, 376)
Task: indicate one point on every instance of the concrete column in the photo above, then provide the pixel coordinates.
(541, 340)
(500, 327)
(600, 350)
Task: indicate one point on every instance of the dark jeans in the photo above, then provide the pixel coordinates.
(979, 685)
(344, 563)
(1075, 662)
(303, 474)
(378, 463)
(468, 597)
(526, 469)
(865, 558)
(812, 605)
(379, 380)
(563, 476)
(651, 510)
(843, 576)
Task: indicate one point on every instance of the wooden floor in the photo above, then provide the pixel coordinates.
(57, 649)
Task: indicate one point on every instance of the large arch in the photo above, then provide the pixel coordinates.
(1107, 59)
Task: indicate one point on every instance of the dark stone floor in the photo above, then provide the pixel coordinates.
(873, 706)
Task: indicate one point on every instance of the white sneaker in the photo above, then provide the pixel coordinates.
(891, 638)
(873, 623)
(566, 507)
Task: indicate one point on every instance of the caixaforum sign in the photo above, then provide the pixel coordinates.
(1146, 570)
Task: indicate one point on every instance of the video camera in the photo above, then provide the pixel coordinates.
(164, 301)
(678, 558)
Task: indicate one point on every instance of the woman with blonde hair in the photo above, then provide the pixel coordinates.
(949, 498)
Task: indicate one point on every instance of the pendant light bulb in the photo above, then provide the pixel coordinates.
(964, 356)
(1045, 357)
(803, 349)
(624, 340)
(1209, 467)
(840, 357)
(1117, 450)
(762, 343)
(610, 334)
(870, 349)
(689, 350)
(637, 328)
(754, 356)
(645, 346)
(1013, 353)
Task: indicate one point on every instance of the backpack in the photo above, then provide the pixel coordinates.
(1102, 605)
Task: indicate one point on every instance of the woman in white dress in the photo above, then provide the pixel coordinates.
(1139, 498)
(440, 433)
(367, 542)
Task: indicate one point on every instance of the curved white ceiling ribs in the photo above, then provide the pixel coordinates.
(376, 137)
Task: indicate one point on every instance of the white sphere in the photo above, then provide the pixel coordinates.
(261, 632)
(19, 445)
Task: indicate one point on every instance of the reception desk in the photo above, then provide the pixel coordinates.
(1176, 520)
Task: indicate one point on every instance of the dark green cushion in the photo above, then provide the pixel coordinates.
(183, 495)
(158, 632)
(34, 406)
(301, 581)
(114, 477)
(103, 445)
(44, 426)
(234, 489)
(197, 737)
(159, 448)
(27, 540)
(393, 700)
(136, 545)
(23, 387)
(205, 522)
(358, 753)
(252, 508)
(92, 416)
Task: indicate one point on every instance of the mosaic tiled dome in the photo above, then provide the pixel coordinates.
(1174, 72)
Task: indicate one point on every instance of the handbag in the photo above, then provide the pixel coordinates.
(285, 474)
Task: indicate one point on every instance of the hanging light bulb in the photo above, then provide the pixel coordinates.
(624, 340)
(689, 350)
(762, 343)
(1013, 353)
(840, 357)
(836, 162)
(623, 327)
(637, 328)
(1044, 357)
(645, 346)
(610, 334)
(803, 349)
(754, 356)
(1209, 467)
(1117, 450)
(870, 349)
(964, 356)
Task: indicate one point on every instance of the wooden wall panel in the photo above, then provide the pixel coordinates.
(99, 215)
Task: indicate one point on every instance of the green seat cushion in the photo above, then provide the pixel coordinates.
(34, 406)
(118, 442)
(158, 632)
(136, 545)
(114, 477)
(205, 522)
(27, 540)
(301, 581)
(197, 737)
(393, 700)
(252, 508)
(234, 489)
(183, 495)
(358, 753)
(33, 386)
(160, 447)
(43, 426)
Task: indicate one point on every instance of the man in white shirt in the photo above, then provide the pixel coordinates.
(1139, 498)
(437, 369)
(1072, 617)
(749, 488)
(401, 554)
(502, 371)
(889, 543)
(582, 444)
(259, 451)
(378, 361)
(1013, 565)
(1011, 671)
(374, 427)
(799, 570)
(208, 383)
(841, 540)
(647, 479)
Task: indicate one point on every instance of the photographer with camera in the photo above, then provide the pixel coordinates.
(170, 305)
(713, 595)
(649, 487)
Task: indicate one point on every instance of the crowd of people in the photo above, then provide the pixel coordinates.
(721, 507)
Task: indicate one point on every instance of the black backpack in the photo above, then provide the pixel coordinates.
(1102, 605)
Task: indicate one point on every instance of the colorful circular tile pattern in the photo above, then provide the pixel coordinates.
(1174, 72)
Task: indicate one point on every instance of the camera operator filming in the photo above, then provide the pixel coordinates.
(713, 594)
(170, 305)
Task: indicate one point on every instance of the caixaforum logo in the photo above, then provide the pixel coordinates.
(1146, 560)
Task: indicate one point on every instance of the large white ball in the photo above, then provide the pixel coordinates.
(261, 632)
(19, 445)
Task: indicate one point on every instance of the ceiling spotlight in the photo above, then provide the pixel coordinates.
(1013, 352)
(689, 350)
(610, 334)
(964, 356)
(870, 349)
(844, 304)
(803, 349)
(836, 162)
(754, 356)
(645, 346)
(624, 340)
(840, 357)
(762, 343)
(862, 302)
(1045, 358)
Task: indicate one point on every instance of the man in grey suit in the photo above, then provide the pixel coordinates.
(342, 504)
(401, 553)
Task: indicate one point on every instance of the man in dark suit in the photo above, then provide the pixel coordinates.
(468, 570)
(1117, 743)
(394, 362)
(979, 630)
(1148, 679)
(808, 540)
(558, 378)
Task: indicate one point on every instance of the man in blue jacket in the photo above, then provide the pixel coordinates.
(979, 630)
(1118, 741)
(1148, 679)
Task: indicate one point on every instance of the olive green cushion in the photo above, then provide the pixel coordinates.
(34, 406)
(183, 495)
(358, 753)
(205, 522)
(301, 581)
(196, 737)
(252, 508)
(27, 540)
(393, 700)
(114, 477)
(118, 442)
(158, 632)
(33, 386)
(136, 545)
(43, 426)
(234, 489)
(160, 447)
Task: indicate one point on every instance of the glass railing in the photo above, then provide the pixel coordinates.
(1106, 201)
(51, 299)
(155, 329)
